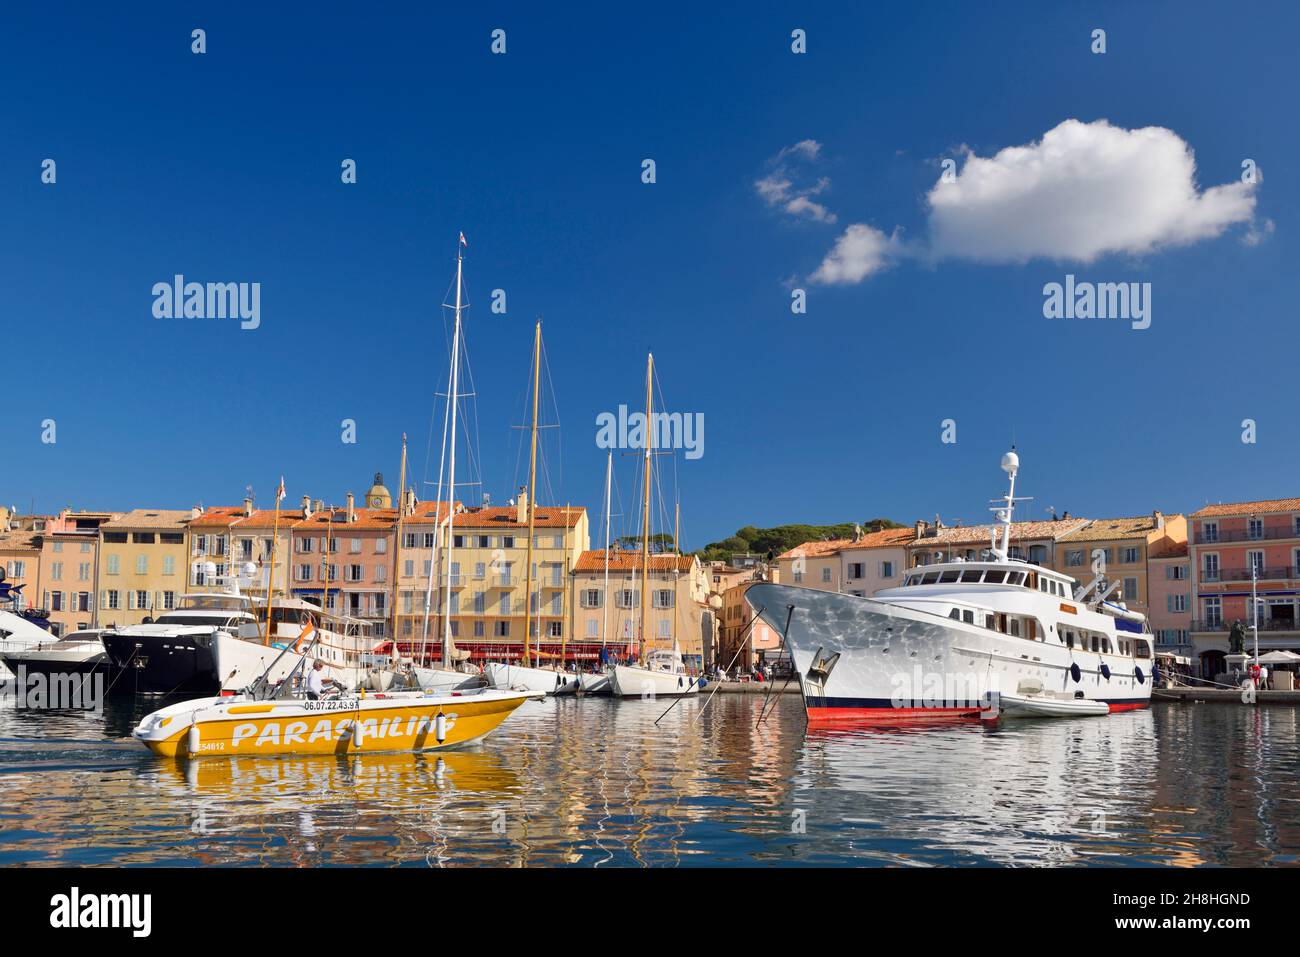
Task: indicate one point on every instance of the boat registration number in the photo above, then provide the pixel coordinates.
(334, 704)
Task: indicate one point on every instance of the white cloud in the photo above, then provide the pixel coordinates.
(1082, 191)
(860, 252)
(808, 149)
(787, 186)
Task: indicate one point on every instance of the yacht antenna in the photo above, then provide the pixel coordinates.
(1004, 508)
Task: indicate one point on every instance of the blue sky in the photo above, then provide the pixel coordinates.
(225, 167)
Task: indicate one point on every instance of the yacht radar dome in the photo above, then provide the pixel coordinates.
(1011, 462)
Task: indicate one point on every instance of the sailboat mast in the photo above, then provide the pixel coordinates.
(604, 604)
(645, 524)
(437, 529)
(451, 459)
(325, 572)
(530, 501)
(397, 543)
(270, 581)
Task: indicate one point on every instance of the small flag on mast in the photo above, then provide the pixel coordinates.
(279, 493)
(462, 241)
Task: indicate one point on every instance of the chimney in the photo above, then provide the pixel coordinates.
(1158, 518)
(196, 511)
(408, 501)
(857, 532)
(352, 511)
(521, 506)
(1065, 516)
(919, 528)
(248, 507)
(318, 506)
(307, 510)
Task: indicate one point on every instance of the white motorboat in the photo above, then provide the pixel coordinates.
(1032, 700)
(77, 653)
(18, 634)
(954, 632)
(550, 681)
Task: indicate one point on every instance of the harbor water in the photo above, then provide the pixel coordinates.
(597, 783)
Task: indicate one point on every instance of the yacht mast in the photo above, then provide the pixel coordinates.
(451, 464)
(645, 525)
(530, 502)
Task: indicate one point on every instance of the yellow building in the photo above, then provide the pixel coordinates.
(486, 598)
(418, 555)
(678, 609)
(1123, 547)
(141, 565)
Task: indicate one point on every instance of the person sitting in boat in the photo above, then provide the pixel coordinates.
(316, 681)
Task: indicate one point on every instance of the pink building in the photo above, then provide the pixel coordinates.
(1226, 543)
(1169, 584)
(69, 559)
(359, 558)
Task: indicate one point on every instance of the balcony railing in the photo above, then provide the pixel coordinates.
(1278, 573)
(1211, 625)
(1267, 534)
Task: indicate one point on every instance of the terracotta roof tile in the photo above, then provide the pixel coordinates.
(1168, 548)
(1249, 508)
(149, 519)
(822, 549)
(623, 560)
(1104, 529)
(982, 534)
(547, 516)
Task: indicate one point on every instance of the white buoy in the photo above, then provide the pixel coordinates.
(358, 733)
(193, 740)
(440, 727)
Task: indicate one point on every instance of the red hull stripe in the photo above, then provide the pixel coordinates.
(832, 715)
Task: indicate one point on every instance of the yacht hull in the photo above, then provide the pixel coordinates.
(901, 664)
(157, 664)
(630, 681)
(595, 682)
(55, 665)
(542, 680)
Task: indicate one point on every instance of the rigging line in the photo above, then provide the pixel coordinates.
(744, 639)
(555, 406)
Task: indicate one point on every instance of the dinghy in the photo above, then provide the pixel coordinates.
(1032, 701)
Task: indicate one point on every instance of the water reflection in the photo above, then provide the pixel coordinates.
(597, 783)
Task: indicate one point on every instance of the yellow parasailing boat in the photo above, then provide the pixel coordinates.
(391, 721)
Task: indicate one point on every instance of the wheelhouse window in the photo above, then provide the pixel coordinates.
(994, 576)
(972, 575)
